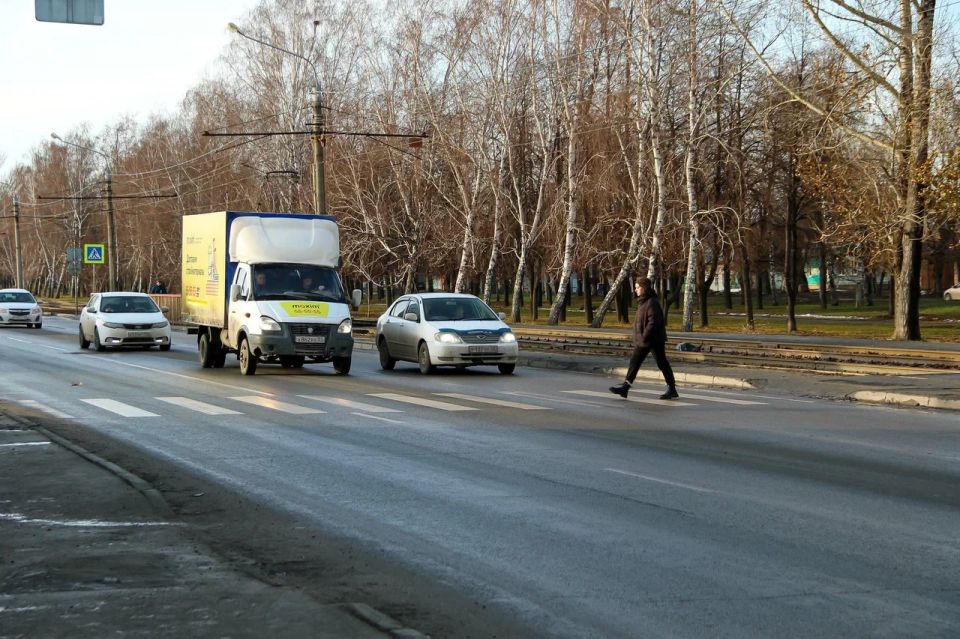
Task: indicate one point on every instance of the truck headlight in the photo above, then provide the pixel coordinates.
(269, 325)
(446, 337)
(346, 327)
(508, 337)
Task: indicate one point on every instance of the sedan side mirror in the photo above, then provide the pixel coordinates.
(356, 297)
(234, 292)
(411, 317)
(502, 316)
(164, 309)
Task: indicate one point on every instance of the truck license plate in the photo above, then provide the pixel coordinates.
(310, 339)
(483, 350)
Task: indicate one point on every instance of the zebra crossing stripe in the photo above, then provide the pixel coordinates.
(124, 410)
(200, 407)
(705, 398)
(53, 412)
(346, 403)
(273, 404)
(422, 401)
(495, 402)
(637, 400)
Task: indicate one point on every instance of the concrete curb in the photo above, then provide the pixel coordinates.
(904, 399)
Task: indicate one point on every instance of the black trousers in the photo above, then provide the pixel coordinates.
(660, 353)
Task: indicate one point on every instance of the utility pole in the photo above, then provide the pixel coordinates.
(18, 249)
(111, 233)
(319, 182)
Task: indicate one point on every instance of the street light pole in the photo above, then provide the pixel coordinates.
(111, 229)
(317, 125)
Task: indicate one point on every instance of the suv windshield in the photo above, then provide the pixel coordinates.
(457, 309)
(127, 304)
(9, 297)
(296, 282)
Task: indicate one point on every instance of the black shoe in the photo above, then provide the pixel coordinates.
(621, 389)
(670, 394)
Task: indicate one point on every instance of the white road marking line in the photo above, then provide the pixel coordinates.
(346, 403)
(17, 339)
(422, 401)
(53, 412)
(54, 348)
(660, 481)
(638, 400)
(706, 398)
(490, 400)
(200, 407)
(124, 410)
(273, 404)
(25, 444)
(558, 400)
(377, 417)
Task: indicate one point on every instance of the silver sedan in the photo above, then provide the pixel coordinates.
(445, 329)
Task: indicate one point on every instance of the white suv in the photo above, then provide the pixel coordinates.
(18, 306)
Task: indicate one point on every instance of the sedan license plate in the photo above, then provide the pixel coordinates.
(483, 350)
(310, 339)
(138, 334)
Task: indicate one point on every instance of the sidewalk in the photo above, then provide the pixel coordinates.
(91, 551)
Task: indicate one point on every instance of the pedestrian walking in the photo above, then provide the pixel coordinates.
(649, 334)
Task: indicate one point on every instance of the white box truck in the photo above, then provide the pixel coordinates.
(266, 287)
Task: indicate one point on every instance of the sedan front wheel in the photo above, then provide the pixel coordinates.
(84, 342)
(423, 358)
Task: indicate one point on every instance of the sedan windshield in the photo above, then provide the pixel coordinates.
(457, 309)
(16, 298)
(128, 304)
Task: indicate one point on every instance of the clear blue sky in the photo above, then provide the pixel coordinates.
(143, 60)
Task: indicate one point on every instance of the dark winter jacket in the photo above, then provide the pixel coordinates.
(649, 329)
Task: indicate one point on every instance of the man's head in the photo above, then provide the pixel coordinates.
(261, 278)
(307, 282)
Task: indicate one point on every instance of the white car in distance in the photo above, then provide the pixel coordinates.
(952, 293)
(445, 329)
(120, 319)
(19, 306)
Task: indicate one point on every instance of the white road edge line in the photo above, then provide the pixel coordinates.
(25, 444)
(660, 481)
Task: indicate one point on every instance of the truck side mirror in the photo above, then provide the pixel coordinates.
(356, 297)
(234, 292)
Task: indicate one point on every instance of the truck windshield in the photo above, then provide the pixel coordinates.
(296, 282)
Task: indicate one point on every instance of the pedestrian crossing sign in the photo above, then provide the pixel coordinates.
(93, 254)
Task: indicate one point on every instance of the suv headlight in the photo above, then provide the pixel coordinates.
(346, 327)
(447, 337)
(162, 324)
(269, 325)
(34, 310)
(112, 325)
(508, 337)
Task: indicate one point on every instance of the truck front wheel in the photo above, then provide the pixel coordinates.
(342, 365)
(248, 361)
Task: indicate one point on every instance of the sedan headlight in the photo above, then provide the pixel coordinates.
(346, 327)
(162, 324)
(34, 310)
(508, 337)
(112, 325)
(269, 325)
(447, 337)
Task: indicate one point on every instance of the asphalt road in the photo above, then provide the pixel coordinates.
(548, 501)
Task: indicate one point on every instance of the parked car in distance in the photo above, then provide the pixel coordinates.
(119, 319)
(952, 293)
(445, 329)
(19, 306)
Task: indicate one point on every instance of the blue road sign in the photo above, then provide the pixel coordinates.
(93, 254)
